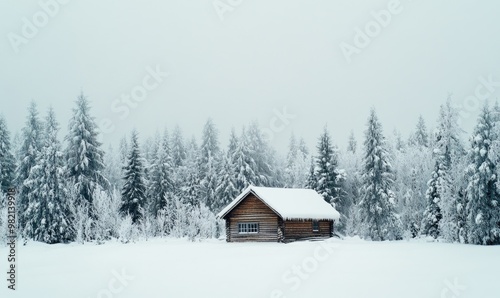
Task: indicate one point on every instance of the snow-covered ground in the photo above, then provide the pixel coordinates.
(178, 268)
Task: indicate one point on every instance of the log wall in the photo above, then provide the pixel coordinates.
(252, 210)
(303, 230)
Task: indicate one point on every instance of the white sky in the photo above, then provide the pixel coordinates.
(265, 55)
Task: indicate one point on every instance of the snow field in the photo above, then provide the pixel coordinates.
(333, 268)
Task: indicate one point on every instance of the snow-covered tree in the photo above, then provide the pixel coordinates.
(85, 158)
(190, 173)
(48, 214)
(106, 207)
(432, 213)
(377, 207)
(297, 163)
(352, 144)
(31, 146)
(398, 143)
(7, 159)
(161, 184)
(113, 168)
(209, 165)
(351, 163)
(134, 188)
(440, 216)
(178, 148)
(226, 186)
(420, 137)
(123, 150)
(244, 165)
(482, 192)
(329, 177)
(262, 156)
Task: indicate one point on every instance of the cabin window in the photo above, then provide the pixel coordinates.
(248, 228)
(315, 226)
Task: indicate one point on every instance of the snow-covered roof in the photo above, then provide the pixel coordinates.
(289, 203)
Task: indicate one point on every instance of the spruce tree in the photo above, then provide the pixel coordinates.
(482, 192)
(209, 164)
(262, 156)
(31, 146)
(7, 159)
(352, 144)
(85, 158)
(134, 188)
(291, 160)
(311, 176)
(161, 183)
(178, 148)
(245, 166)
(112, 169)
(191, 189)
(441, 216)
(377, 207)
(329, 178)
(226, 190)
(432, 214)
(48, 214)
(303, 149)
(420, 137)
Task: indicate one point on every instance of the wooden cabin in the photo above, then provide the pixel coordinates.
(278, 215)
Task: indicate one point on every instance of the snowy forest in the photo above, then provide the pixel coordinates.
(437, 182)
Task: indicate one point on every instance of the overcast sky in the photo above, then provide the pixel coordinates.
(247, 63)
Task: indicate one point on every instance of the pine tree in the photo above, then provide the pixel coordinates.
(226, 190)
(85, 159)
(261, 155)
(420, 136)
(191, 190)
(178, 148)
(495, 113)
(329, 178)
(233, 143)
(352, 144)
(440, 216)
(124, 150)
(31, 146)
(209, 164)
(378, 218)
(482, 193)
(432, 213)
(161, 185)
(303, 149)
(311, 176)
(399, 144)
(112, 169)
(48, 214)
(7, 159)
(291, 160)
(134, 188)
(244, 165)
(351, 162)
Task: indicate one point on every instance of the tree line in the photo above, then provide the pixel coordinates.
(431, 183)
